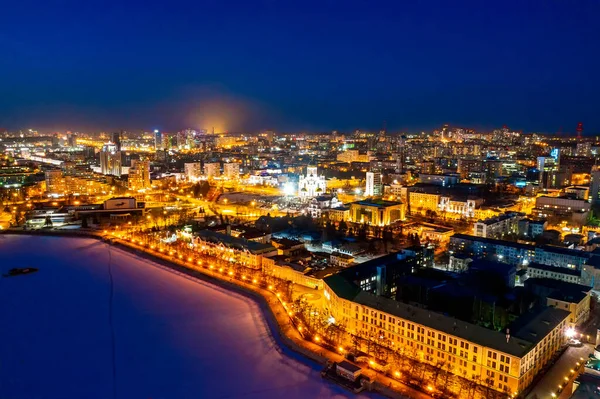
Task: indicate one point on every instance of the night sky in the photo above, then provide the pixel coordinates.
(322, 65)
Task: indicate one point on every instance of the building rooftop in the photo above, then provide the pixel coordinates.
(535, 326)
(561, 290)
(379, 203)
(499, 218)
(493, 241)
(547, 248)
(342, 287)
(525, 333)
(518, 344)
(252, 246)
(564, 251)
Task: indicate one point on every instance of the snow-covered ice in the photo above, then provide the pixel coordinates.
(174, 337)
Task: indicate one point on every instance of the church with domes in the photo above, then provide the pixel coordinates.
(311, 185)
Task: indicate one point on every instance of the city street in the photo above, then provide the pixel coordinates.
(555, 376)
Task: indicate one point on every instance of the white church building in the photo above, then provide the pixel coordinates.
(312, 185)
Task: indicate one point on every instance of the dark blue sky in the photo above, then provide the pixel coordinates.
(291, 65)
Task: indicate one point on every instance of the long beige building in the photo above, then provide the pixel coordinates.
(507, 361)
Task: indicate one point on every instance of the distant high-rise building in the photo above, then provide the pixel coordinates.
(158, 143)
(71, 138)
(374, 186)
(231, 170)
(139, 175)
(193, 170)
(55, 184)
(166, 142)
(116, 140)
(548, 166)
(595, 185)
(583, 149)
(212, 170)
(110, 159)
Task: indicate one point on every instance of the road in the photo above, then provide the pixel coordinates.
(555, 376)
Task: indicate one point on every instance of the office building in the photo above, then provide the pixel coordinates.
(595, 185)
(110, 159)
(377, 212)
(158, 143)
(548, 169)
(374, 187)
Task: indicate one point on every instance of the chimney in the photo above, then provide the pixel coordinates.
(507, 335)
(228, 229)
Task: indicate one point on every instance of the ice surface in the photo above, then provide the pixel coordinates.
(174, 337)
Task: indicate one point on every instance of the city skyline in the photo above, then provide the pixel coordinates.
(301, 67)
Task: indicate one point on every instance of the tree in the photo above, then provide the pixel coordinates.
(343, 227)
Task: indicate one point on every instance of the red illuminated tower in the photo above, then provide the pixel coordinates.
(579, 129)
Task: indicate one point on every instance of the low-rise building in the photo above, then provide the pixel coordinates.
(518, 253)
(538, 270)
(341, 259)
(377, 212)
(248, 253)
(459, 263)
(445, 180)
(339, 214)
(318, 205)
(506, 251)
(574, 298)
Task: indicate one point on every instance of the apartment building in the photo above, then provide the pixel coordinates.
(538, 270)
(517, 253)
(499, 226)
(506, 361)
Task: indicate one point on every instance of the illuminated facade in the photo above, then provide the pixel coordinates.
(193, 170)
(505, 361)
(110, 160)
(139, 175)
(55, 184)
(231, 170)
(377, 212)
(311, 185)
(374, 186)
(212, 170)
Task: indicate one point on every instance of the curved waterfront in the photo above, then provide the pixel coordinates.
(173, 337)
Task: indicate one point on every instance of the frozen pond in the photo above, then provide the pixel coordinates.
(173, 337)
